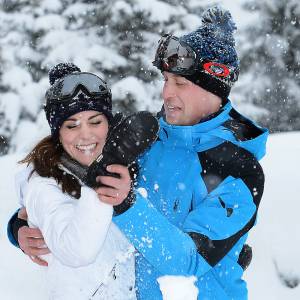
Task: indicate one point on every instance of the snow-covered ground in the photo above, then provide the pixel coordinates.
(275, 239)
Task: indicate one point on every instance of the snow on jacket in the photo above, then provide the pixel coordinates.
(201, 186)
(90, 258)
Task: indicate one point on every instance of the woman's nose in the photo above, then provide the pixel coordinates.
(85, 131)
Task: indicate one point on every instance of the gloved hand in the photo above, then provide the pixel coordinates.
(245, 257)
(125, 142)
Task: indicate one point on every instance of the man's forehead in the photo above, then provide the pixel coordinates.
(172, 75)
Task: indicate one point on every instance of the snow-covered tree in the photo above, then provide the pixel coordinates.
(270, 59)
(115, 39)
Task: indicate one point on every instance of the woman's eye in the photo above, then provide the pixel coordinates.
(71, 126)
(96, 122)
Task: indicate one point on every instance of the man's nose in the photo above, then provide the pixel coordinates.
(168, 91)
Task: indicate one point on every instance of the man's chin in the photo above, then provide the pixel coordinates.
(172, 120)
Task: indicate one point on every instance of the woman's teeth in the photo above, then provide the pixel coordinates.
(89, 147)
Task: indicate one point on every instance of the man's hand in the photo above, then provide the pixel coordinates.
(31, 241)
(116, 189)
(22, 214)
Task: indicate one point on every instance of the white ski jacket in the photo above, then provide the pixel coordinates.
(90, 257)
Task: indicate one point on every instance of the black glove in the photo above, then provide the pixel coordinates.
(245, 257)
(127, 139)
(125, 142)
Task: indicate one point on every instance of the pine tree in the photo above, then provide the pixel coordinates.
(115, 39)
(3, 135)
(270, 59)
(14, 75)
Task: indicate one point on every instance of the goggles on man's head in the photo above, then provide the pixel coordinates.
(174, 56)
(69, 86)
(177, 57)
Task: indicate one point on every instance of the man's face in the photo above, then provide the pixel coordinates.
(186, 103)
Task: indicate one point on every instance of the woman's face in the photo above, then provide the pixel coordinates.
(83, 135)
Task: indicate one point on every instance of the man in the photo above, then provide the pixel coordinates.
(202, 181)
(200, 184)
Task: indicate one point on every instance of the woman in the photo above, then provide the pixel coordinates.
(90, 258)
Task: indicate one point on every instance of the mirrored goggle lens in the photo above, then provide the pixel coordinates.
(178, 57)
(91, 82)
(161, 46)
(67, 87)
(174, 56)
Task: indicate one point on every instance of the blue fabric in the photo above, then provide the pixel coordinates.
(214, 41)
(173, 200)
(10, 231)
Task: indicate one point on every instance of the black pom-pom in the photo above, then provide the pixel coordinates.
(61, 70)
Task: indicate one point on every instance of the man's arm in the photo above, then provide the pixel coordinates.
(13, 227)
(30, 240)
(210, 231)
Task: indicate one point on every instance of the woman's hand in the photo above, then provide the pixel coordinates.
(116, 189)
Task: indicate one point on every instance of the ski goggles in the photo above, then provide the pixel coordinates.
(174, 56)
(177, 57)
(67, 88)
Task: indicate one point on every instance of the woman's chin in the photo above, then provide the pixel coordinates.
(86, 158)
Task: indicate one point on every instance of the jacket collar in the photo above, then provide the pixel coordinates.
(190, 136)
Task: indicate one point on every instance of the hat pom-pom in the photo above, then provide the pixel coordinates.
(61, 70)
(219, 19)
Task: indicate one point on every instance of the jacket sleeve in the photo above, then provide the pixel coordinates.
(74, 230)
(21, 181)
(210, 230)
(10, 226)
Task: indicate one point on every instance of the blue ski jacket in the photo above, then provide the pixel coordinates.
(199, 190)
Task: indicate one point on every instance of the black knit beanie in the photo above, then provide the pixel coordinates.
(57, 113)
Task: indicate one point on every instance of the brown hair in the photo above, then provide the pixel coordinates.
(45, 158)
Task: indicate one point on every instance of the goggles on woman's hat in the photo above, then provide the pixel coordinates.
(65, 89)
(74, 93)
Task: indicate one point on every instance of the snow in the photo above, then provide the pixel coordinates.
(16, 77)
(77, 9)
(178, 287)
(131, 85)
(275, 239)
(112, 59)
(98, 38)
(11, 106)
(61, 36)
(27, 135)
(156, 6)
(31, 95)
(50, 22)
(51, 5)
